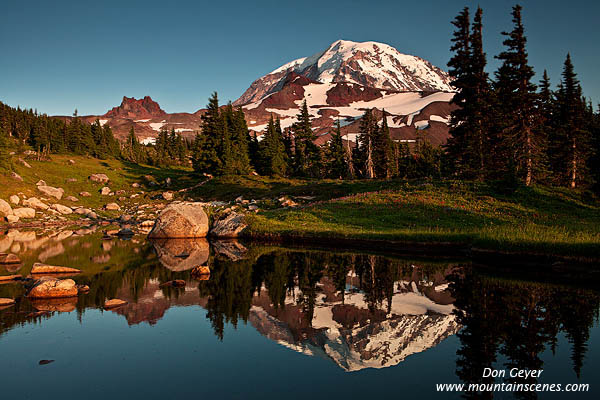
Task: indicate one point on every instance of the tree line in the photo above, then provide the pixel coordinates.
(509, 127)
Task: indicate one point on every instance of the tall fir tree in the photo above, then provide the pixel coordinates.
(208, 147)
(307, 155)
(272, 151)
(364, 155)
(336, 154)
(383, 152)
(516, 113)
(570, 147)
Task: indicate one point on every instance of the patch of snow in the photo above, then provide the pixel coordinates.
(148, 140)
(103, 121)
(142, 120)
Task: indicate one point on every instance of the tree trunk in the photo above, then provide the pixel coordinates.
(370, 173)
(574, 165)
(529, 176)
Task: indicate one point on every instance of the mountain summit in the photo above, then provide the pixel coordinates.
(370, 64)
(132, 108)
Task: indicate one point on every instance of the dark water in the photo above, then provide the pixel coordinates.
(273, 322)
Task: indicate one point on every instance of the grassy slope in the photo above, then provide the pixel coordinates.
(533, 219)
(56, 172)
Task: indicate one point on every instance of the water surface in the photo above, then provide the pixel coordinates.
(273, 322)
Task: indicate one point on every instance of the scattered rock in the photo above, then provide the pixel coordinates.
(40, 268)
(9, 258)
(12, 219)
(24, 212)
(168, 182)
(239, 199)
(253, 207)
(72, 198)
(14, 199)
(125, 232)
(34, 202)
(100, 178)
(41, 182)
(112, 207)
(72, 162)
(105, 191)
(48, 287)
(202, 271)
(57, 193)
(167, 196)
(16, 176)
(147, 223)
(135, 185)
(24, 163)
(181, 220)
(5, 208)
(71, 180)
(85, 194)
(62, 209)
(114, 303)
(83, 288)
(228, 227)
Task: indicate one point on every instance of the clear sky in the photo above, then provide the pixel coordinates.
(56, 56)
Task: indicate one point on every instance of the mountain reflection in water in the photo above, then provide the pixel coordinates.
(357, 310)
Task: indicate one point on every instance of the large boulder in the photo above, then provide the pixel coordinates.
(52, 288)
(5, 208)
(182, 255)
(57, 193)
(181, 220)
(100, 178)
(24, 212)
(36, 203)
(229, 226)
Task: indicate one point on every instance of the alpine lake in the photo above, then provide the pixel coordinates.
(287, 322)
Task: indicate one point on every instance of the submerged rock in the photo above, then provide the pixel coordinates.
(114, 303)
(40, 268)
(181, 220)
(49, 288)
(4, 302)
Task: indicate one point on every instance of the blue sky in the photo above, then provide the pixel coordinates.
(61, 55)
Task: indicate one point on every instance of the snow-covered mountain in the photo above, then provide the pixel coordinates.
(345, 80)
(370, 64)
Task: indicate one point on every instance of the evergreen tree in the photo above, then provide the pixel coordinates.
(516, 109)
(383, 152)
(365, 144)
(469, 144)
(307, 155)
(570, 142)
(272, 151)
(5, 161)
(239, 137)
(209, 146)
(337, 164)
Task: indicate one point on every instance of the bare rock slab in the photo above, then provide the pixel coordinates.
(181, 220)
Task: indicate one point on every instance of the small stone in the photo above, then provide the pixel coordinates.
(83, 288)
(71, 180)
(62, 209)
(85, 194)
(24, 163)
(105, 191)
(125, 232)
(24, 212)
(16, 176)
(57, 193)
(114, 303)
(45, 362)
(12, 219)
(41, 183)
(175, 283)
(72, 198)
(48, 287)
(71, 162)
(36, 203)
(100, 178)
(5, 208)
(6, 278)
(14, 199)
(112, 207)
(135, 185)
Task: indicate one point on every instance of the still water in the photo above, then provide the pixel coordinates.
(274, 322)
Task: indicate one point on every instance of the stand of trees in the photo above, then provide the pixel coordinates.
(511, 128)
